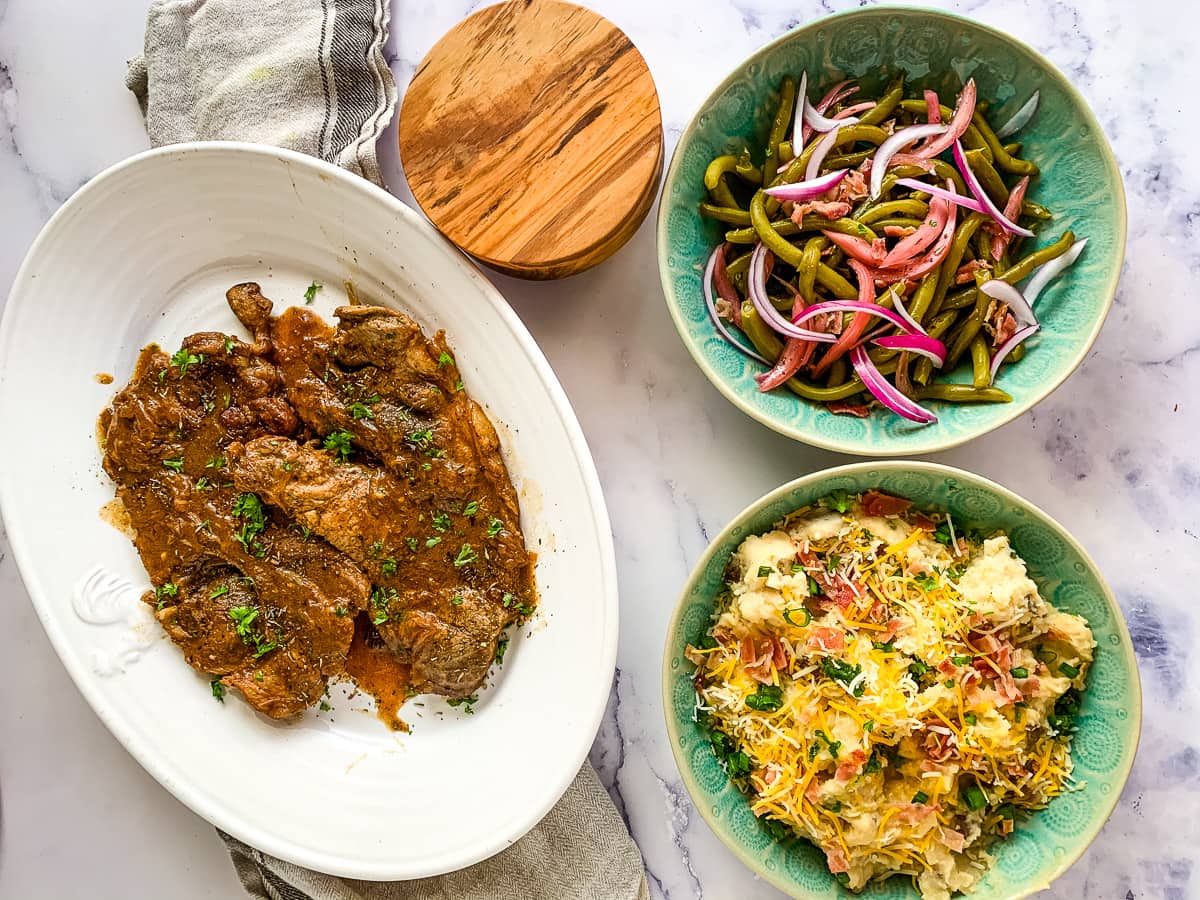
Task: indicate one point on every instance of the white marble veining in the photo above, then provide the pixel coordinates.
(1111, 454)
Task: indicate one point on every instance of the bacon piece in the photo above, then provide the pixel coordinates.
(899, 231)
(725, 288)
(872, 254)
(1012, 212)
(850, 765)
(836, 860)
(845, 408)
(877, 503)
(954, 840)
(966, 273)
(829, 209)
(912, 813)
(939, 747)
(824, 637)
(1001, 322)
(853, 187)
(778, 656)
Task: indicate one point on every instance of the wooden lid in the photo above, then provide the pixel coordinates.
(531, 137)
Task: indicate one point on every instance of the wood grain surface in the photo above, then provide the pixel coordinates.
(531, 137)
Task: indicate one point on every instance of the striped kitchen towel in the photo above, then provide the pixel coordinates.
(304, 74)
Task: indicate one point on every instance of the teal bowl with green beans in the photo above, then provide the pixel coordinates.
(1106, 721)
(919, 258)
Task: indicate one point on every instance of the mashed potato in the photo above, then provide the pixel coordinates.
(892, 691)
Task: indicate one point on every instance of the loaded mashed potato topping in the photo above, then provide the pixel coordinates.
(894, 691)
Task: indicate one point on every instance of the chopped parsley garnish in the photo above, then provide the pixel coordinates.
(412, 543)
(834, 806)
(1066, 708)
(736, 763)
(970, 718)
(176, 465)
(1019, 672)
(838, 500)
(813, 588)
(467, 703)
(874, 765)
(375, 549)
(216, 462)
(494, 528)
(869, 725)
(380, 599)
(163, 591)
(244, 618)
(441, 521)
(886, 647)
(764, 571)
(1006, 811)
(508, 600)
(324, 707)
(249, 507)
(445, 360)
(341, 612)
(787, 617)
(466, 556)
(1067, 669)
(471, 508)
(310, 293)
(960, 660)
(832, 562)
(832, 746)
(228, 345)
(203, 484)
(941, 534)
(183, 358)
(501, 648)
(341, 442)
(433, 541)
(388, 566)
(218, 690)
(926, 582)
(918, 667)
(768, 698)
(360, 410)
(420, 439)
(920, 797)
(219, 592)
(456, 601)
(458, 385)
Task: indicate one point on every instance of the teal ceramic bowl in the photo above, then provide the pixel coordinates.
(1044, 845)
(1080, 182)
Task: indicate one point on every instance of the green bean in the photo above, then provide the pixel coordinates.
(714, 180)
(739, 266)
(915, 208)
(1000, 156)
(847, 160)
(1035, 211)
(806, 272)
(882, 110)
(782, 227)
(786, 151)
(988, 177)
(1016, 354)
(779, 126)
(787, 228)
(835, 283)
(838, 370)
(747, 171)
(961, 335)
(919, 305)
(725, 214)
(953, 260)
(780, 246)
(1012, 149)
(981, 362)
(898, 221)
(962, 393)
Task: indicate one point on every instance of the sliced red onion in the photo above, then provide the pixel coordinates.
(854, 306)
(821, 150)
(927, 232)
(981, 195)
(1020, 118)
(856, 108)
(898, 302)
(964, 109)
(834, 95)
(1008, 346)
(807, 190)
(712, 309)
(934, 191)
(816, 121)
(870, 253)
(757, 289)
(1006, 293)
(883, 391)
(921, 344)
(799, 138)
(1051, 270)
(893, 145)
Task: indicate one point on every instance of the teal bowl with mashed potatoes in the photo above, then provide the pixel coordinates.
(1107, 721)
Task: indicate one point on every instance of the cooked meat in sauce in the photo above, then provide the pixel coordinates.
(281, 490)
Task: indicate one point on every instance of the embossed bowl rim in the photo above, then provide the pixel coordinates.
(940, 439)
(1121, 776)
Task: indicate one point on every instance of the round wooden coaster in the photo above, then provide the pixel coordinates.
(531, 137)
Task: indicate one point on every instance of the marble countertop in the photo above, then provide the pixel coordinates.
(1110, 454)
